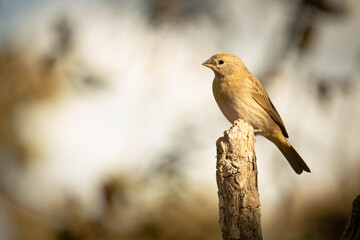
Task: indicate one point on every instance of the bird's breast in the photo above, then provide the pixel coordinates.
(231, 99)
(235, 102)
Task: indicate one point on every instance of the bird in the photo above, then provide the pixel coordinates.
(240, 95)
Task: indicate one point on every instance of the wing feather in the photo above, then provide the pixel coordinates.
(260, 96)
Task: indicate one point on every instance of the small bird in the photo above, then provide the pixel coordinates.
(240, 95)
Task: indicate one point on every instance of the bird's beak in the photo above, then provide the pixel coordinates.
(209, 64)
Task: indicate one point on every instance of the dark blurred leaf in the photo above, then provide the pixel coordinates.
(173, 11)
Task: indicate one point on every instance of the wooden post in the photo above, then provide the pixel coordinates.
(352, 230)
(236, 175)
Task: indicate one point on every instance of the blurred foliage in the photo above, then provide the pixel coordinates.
(321, 216)
(175, 12)
(23, 79)
(301, 32)
(26, 77)
(175, 216)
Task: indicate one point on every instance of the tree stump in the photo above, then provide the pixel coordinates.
(352, 230)
(236, 175)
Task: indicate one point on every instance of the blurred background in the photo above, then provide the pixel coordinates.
(108, 123)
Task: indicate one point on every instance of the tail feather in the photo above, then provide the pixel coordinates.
(294, 159)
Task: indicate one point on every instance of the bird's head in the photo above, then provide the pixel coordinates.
(224, 64)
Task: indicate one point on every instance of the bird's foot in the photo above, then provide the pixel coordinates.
(258, 131)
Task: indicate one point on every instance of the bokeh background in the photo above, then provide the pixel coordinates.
(108, 123)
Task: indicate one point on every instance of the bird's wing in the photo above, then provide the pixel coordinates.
(264, 101)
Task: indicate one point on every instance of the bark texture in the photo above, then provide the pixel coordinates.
(236, 175)
(352, 229)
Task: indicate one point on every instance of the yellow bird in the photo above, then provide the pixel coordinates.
(240, 95)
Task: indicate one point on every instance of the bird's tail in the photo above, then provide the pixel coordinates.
(295, 160)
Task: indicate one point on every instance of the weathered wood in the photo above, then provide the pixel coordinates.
(236, 175)
(352, 229)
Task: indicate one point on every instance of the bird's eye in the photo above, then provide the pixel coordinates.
(221, 62)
